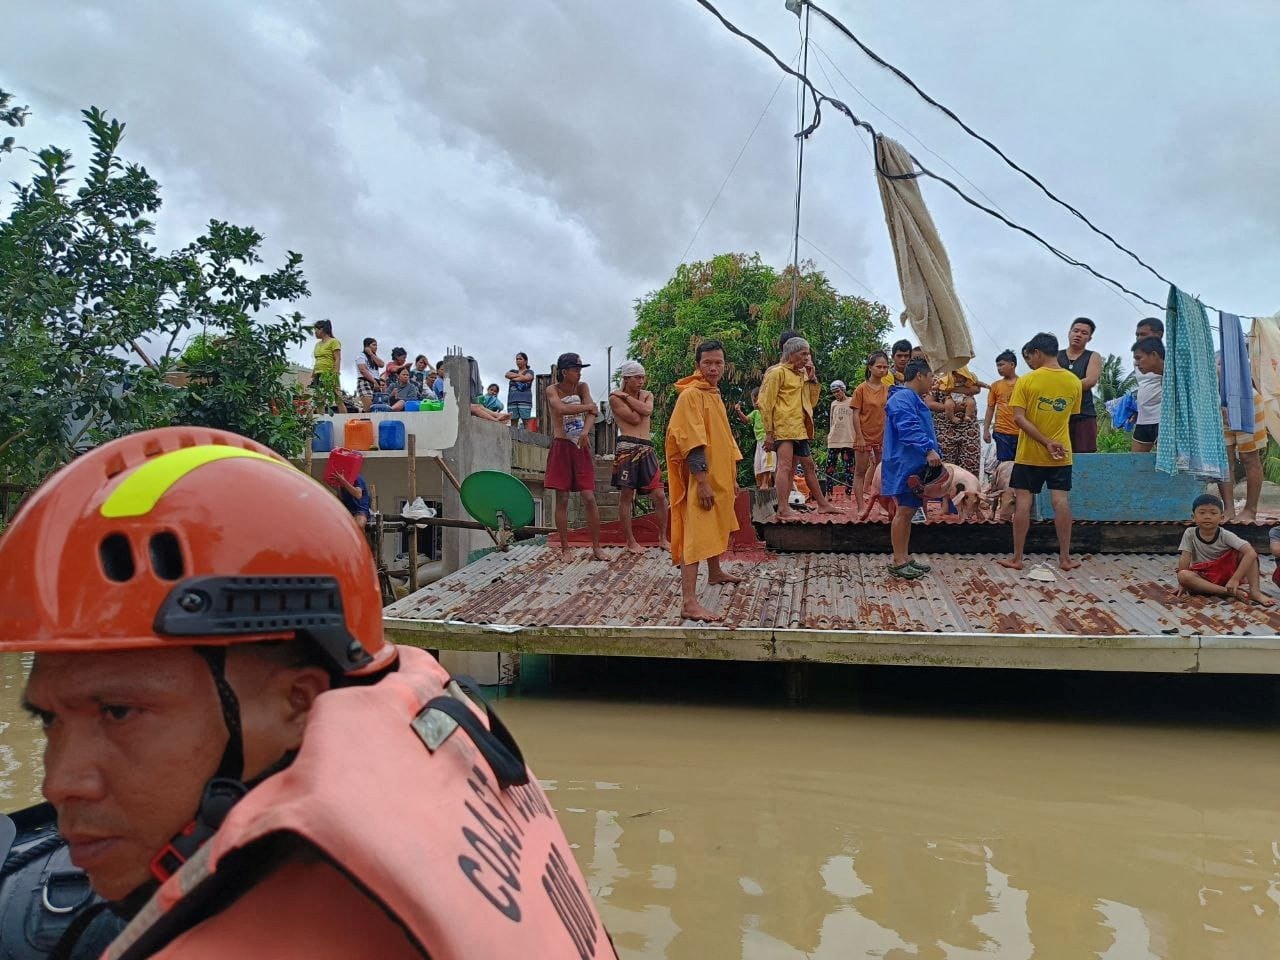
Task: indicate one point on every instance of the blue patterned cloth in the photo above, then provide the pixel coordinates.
(1191, 412)
(1237, 379)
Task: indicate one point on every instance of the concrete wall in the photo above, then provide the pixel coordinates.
(1124, 486)
(481, 445)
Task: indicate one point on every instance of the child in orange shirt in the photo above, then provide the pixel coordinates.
(999, 394)
(869, 398)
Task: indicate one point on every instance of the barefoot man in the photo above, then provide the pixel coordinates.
(570, 468)
(786, 404)
(635, 465)
(702, 468)
(1043, 402)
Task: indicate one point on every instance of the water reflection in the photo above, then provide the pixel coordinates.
(21, 745)
(834, 834)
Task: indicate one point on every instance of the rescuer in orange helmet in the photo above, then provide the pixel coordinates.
(223, 715)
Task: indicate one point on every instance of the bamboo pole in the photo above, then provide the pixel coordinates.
(412, 447)
(394, 521)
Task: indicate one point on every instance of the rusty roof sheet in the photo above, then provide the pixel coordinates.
(1109, 596)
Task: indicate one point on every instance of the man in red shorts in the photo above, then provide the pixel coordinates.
(635, 464)
(570, 467)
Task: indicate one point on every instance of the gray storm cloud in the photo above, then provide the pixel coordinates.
(512, 176)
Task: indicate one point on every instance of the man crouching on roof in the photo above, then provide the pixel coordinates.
(702, 469)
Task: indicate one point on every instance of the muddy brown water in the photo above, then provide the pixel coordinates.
(957, 817)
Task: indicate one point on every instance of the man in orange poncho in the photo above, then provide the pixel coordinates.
(702, 470)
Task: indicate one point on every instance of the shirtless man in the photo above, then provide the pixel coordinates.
(570, 467)
(635, 465)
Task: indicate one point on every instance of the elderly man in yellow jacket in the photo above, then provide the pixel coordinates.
(787, 396)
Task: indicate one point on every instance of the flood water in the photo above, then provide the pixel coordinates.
(899, 813)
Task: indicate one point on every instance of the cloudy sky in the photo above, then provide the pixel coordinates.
(512, 176)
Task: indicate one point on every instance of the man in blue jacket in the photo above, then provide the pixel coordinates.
(909, 444)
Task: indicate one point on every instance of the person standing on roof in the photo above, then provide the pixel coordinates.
(520, 390)
(787, 396)
(570, 466)
(910, 445)
(1087, 366)
(239, 760)
(702, 468)
(635, 465)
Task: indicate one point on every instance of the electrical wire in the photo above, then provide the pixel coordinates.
(795, 243)
(736, 160)
(969, 311)
(819, 98)
(835, 22)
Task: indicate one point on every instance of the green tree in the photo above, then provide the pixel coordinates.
(1113, 381)
(746, 303)
(92, 315)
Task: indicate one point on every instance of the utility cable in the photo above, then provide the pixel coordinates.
(968, 309)
(736, 160)
(795, 243)
(835, 22)
(819, 98)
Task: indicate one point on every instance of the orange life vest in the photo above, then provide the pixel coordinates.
(396, 796)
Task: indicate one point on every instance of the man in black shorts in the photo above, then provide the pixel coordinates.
(1043, 403)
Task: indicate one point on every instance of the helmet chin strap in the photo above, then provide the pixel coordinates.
(231, 766)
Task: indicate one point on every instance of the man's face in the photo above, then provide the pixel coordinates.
(711, 366)
(1034, 359)
(132, 738)
(1145, 331)
(901, 358)
(633, 384)
(1143, 361)
(571, 375)
(799, 360)
(839, 393)
(403, 375)
(1005, 367)
(1080, 335)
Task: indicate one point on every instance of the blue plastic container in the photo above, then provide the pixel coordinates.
(322, 437)
(391, 435)
(411, 406)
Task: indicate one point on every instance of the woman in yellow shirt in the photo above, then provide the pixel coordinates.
(325, 366)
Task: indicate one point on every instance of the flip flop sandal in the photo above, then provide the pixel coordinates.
(905, 572)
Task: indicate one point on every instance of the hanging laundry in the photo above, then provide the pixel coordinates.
(1190, 414)
(1264, 356)
(924, 272)
(1236, 382)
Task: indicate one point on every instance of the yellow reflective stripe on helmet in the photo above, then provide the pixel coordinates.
(141, 490)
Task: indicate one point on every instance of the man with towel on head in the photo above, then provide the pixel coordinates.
(635, 465)
(702, 469)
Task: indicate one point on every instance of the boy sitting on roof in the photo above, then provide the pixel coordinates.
(1214, 561)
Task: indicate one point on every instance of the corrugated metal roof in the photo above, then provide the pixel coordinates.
(1109, 596)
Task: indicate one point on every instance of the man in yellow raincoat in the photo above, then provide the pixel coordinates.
(702, 470)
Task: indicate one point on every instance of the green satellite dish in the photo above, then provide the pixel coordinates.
(498, 500)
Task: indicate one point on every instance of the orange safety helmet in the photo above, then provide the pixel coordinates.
(192, 536)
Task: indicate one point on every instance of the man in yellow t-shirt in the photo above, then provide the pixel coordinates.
(1043, 402)
(901, 355)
